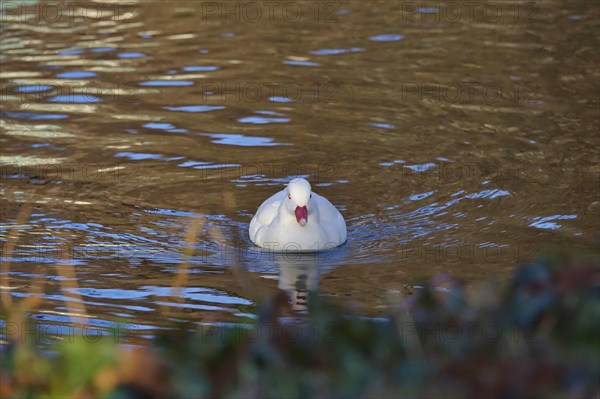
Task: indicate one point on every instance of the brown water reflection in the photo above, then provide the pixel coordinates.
(451, 143)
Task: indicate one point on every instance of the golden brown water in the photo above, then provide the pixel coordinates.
(460, 140)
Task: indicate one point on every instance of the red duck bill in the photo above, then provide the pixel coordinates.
(301, 215)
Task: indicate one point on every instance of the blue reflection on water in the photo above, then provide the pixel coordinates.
(548, 221)
(131, 55)
(137, 156)
(418, 197)
(491, 194)
(76, 75)
(166, 83)
(301, 63)
(200, 68)
(78, 51)
(32, 115)
(400, 161)
(386, 38)
(243, 141)
(382, 125)
(206, 165)
(75, 98)
(279, 99)
(75, 51)
(427, 10)
(157, 125)
(259, 120)
(195, 108)
(33, 88)
(335, 51)
(421, 167)
(102, 49)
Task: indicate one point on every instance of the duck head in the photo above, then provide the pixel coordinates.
(299, 194)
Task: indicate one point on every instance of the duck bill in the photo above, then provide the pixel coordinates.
(301, 215)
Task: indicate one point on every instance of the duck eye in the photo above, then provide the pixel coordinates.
(289, 196)
(311, 196)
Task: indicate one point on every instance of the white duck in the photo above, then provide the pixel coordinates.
(295, 219)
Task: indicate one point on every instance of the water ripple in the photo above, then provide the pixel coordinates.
(195, 108)
(243, 141)
(386, 38)
(336, 51)
(32, 116)
(547, 222)
(259, 120)
(166, 83)
(301, 63)
(75, 98)
(76, 75)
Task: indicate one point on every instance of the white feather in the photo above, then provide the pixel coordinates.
(275, 227)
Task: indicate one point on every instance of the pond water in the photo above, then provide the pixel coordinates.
(458, 139)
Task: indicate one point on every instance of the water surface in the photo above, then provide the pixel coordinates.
(451, 145)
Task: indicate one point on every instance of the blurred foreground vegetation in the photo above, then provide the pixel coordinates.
(536, 337)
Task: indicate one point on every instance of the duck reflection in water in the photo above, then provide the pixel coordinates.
(299, 273)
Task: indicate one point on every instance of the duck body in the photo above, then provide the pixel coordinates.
(297, 220)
